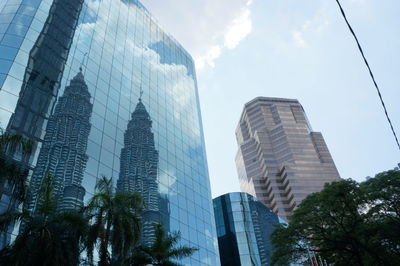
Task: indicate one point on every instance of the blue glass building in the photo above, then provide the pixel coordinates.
(244, 226)
(80, 120)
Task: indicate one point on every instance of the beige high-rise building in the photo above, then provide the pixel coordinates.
(280, 159)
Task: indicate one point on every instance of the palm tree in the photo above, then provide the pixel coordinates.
(47, 237)
(115, 223)
(163, 251)
(13, 173)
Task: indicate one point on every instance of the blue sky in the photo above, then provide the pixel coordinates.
(293, 49)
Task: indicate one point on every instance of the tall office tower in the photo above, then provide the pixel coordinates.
(122, 49)
(244, 226)
(139, 162)
(63, 153)
(280, 159)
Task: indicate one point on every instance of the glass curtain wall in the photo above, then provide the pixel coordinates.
(78, 77)
(244, 226)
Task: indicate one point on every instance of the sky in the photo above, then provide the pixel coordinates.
(293, 49)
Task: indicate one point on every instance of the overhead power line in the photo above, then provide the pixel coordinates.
(370, 73)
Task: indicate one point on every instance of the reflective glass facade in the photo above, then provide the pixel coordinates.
(244, 226)
(101, 89)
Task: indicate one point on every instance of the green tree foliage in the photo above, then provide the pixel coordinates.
(347, 223)
(115, 223)
(163, 252)
(13, 174)
(110, 222)
(47, 237)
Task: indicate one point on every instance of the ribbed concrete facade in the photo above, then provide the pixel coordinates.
(280, 159)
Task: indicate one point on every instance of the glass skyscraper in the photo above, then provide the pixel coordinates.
(244, 226)
(101, 89)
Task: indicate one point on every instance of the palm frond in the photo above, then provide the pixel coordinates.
(104, 185)
(182, 252)
(12, 143)
(163, 250)
(12, 216)
(114, 222)
(47, 203)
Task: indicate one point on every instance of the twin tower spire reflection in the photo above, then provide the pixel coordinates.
(63, 155)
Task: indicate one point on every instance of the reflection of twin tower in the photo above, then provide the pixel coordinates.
(139, 163)
(63, 155)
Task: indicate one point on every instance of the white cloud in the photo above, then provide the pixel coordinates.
(239, 29)
(213, 53)
(204, 27)
(317, 24)
(298, 38)
(168, 181)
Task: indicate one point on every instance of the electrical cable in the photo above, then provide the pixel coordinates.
(370, 72)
